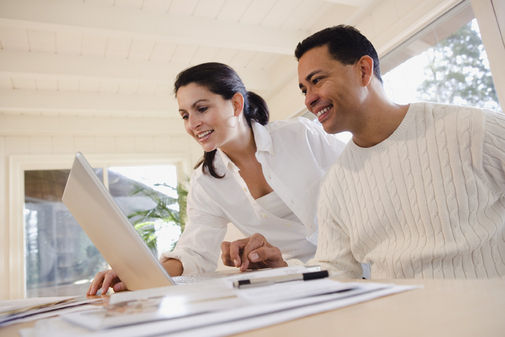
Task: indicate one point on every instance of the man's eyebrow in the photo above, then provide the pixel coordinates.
(309, 76)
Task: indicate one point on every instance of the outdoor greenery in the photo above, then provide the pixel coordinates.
(167, 210)
(458, 73)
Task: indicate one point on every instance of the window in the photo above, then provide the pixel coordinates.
(59, 254)
(444, 63)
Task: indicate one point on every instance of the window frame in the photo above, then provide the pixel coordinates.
(13, 275)
(490, 15)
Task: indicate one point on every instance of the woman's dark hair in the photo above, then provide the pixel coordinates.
(345, 43)
(224, 81)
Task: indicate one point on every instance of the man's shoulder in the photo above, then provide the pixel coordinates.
(450, 115)
(441, 108)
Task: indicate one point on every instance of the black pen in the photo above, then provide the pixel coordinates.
(280, 278)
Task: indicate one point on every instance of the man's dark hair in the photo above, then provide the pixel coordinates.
(345, 43)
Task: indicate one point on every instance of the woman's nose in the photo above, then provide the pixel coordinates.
(194, 122)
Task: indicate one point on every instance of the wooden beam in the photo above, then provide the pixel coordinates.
(103, 18)
(33, 125)
(57, 66)
(86, 103)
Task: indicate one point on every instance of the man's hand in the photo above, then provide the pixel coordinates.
(104, 280)
(253, 252)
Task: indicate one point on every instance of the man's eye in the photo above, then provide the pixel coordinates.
(316, 80)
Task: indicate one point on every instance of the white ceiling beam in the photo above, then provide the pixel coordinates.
(58, 66)
(82, 16)
(86, 103)
(29, 125)
(354, 3)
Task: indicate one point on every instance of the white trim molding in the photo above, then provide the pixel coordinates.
(490, 15)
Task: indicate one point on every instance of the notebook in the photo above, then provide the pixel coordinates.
(108, 228)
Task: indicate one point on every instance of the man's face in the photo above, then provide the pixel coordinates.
(332, 90)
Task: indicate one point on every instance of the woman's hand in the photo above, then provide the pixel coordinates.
(104, 280)
(253, 252)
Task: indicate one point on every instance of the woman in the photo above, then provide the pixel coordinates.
(263, 178)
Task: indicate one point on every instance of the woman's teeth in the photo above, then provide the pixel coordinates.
(203, 134)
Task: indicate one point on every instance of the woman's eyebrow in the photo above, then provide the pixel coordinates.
(199, 101)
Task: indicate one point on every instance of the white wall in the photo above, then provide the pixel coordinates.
(4, 228)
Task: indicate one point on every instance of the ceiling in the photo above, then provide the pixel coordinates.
(120, 57)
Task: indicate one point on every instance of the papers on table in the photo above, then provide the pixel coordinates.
(218, 311)
(16, 311)
(208, 283)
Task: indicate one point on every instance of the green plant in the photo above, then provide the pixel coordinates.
(164, 211)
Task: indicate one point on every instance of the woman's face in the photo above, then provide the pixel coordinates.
(209, 118)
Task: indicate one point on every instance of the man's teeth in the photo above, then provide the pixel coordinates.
(322, 111)
(203, 134)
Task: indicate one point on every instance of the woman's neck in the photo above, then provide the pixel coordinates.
(242, 148)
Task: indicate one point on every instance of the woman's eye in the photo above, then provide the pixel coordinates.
(202, 109)
(185, 116)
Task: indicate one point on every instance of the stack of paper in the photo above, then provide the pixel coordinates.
(210, 309)
(15, 311)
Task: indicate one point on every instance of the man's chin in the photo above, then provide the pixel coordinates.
(331, 129)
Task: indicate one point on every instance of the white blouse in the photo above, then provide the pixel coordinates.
(295, 155)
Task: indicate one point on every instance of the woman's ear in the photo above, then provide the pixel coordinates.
(365, 64)
(238, 103)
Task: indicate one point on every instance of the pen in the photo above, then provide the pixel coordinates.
(260, 281)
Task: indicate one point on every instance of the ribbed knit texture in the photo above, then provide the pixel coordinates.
(428, 202)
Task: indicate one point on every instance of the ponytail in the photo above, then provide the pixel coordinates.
(256, 109)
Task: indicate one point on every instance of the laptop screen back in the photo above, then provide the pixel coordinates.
(111, 232)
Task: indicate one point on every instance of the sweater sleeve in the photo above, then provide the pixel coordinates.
(334, 246)
(493, 159)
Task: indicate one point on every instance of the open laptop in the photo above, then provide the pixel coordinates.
(108, 228)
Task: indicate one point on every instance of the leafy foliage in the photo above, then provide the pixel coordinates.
(165, 211)
(458, 73)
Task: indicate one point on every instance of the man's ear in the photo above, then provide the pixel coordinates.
(365, 64)
(238, 103)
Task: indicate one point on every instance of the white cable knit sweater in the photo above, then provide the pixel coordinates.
(428, 202)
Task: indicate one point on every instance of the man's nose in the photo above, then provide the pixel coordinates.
(311, 99)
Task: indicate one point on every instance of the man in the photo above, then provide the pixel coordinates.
(419, 192)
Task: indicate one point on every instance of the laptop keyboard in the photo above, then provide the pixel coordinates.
(189, 279)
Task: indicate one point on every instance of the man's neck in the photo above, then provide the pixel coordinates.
(381, 118)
